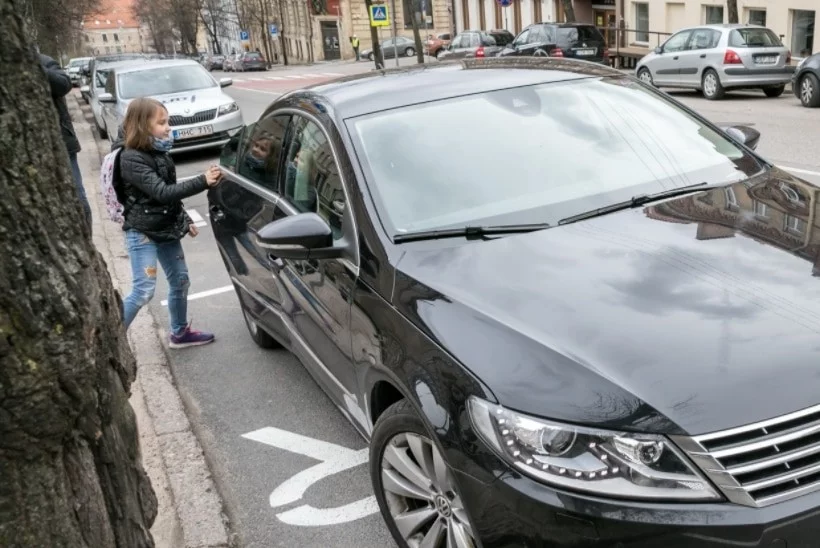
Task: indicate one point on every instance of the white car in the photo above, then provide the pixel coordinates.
(74, 69)
(201, 114)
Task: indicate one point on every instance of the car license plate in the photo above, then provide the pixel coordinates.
(766, 60)
(192, 132)
(584, 52)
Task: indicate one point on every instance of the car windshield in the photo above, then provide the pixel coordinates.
(253, 56)
(754, 38)
(557, 150)
(162, 80)
(77, 62)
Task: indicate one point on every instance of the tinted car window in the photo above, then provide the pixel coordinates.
(569, 35)
(312, 181)
(261, 149)
(475, 41)
(539, 33)
(754, 38)
(641, 143)
(253, 55)
(524, 37)
(501, 38)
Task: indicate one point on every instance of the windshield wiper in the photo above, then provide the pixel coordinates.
(469, 232)
(637, 201)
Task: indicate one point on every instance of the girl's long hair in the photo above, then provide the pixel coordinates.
(137, 123)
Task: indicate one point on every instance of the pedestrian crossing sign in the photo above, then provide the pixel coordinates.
(379, 16)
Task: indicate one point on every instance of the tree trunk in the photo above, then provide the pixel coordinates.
(378, 58)
(569, 11)
(282, 33)
(70, 467)
(416, 34)
(731, 6)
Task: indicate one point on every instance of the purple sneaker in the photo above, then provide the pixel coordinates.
(190, 337)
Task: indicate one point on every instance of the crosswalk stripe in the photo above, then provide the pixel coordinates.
(332, 74)
(275, 78)
(295, 76)
(256, 79)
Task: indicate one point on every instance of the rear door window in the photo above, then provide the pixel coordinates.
(754, 38)
(501, 38)
(571, 35)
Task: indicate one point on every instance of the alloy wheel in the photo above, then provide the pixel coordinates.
(421, 495)
(645, 77)
(806, 91)
(709, 84)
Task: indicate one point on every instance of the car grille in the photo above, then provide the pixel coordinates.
(196, 118)
(763, 463)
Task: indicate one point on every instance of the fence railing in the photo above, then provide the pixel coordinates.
(628, 45)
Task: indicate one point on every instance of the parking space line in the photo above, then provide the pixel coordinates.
(800, 171)
(196, 217)
(203, 294)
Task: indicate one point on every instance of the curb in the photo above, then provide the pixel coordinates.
(190, 509)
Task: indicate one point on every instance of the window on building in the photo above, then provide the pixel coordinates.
(802, 32)
(794, 224)
(756, 17)
(731, 198)
(761, 210)
(116, 37)
(87, 39)
(105, 37)
(641, 21)
(425, 15)
(119, 49)
(712, 15)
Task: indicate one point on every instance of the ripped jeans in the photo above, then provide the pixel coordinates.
(144, 254)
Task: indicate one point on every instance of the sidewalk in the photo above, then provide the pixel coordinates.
(190, 509)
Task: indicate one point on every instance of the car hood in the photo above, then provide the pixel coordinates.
(690, 316)
(189, 102)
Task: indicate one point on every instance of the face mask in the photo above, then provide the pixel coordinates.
(254, 163)
(164, 145)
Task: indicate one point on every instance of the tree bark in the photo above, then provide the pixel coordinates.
(416, 16)
(70, 468)
(569, 11)
(731, 7)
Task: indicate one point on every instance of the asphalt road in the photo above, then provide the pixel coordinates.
(233, 388)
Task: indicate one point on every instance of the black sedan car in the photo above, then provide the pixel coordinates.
(608, 342)
(806, 81)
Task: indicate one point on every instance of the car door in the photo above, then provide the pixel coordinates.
(109, 110)
(465, 46)
(321, 288)
(665, 67)
(694, 58)
(246, 201)
(389, 49)
(95, 87)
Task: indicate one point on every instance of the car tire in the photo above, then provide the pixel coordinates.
(103, 131)
(401, 447)
(439, 53)
(645, 76)
(409, 52)
(711, 86)
(261, 337)
(809, 91)
(774, 91)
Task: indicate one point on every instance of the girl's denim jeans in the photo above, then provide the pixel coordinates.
(144, 254)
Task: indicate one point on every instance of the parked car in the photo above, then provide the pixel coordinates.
(611, 352)
(96, 87)
(250, 60)
(573, 40)
(435, 45)
(88, 70)
(230, 62)
(401, 46)
(75, 69)
(474, 43)
(806, 81)
(213, 62)
(201, 114)
(719, 58)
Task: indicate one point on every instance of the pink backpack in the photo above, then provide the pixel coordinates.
(108, 173)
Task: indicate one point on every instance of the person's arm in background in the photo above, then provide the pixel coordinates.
(57, 78)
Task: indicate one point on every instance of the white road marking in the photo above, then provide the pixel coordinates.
(276, 93)
(334, 459)
(196, 217)
(800, 171)
(275, 78)
(332, 74)
(296, 76)
(203, 294)
(256, 79)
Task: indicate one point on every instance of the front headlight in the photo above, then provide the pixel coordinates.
(617, 464)
(227, 109)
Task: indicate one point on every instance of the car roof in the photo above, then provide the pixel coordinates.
(158, 64)
(378, 90)
(725, 26)
(120, 63)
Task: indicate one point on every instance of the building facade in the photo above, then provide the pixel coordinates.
(115, 29)
(648, 23)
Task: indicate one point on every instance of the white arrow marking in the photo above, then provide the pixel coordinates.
(334, 459)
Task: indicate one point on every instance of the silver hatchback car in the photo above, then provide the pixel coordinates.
(718, 58)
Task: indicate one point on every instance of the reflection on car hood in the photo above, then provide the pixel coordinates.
(190, 102)
(693, 315)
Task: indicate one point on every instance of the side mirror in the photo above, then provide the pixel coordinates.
(85, 89)
(658, 50)
(303, 236)
(106, 98)
(744, 134)
(225, 82)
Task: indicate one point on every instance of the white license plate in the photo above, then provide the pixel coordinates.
(767, 60)
(584, 52)
(192, 132)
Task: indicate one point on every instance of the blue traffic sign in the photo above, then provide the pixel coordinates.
(504, 3)
(378, 16)
(274, 30)
(244, 35)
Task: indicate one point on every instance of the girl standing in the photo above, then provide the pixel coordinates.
(155, 220)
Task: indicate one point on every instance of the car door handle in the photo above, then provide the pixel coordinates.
(703, 56)
(675, 58)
